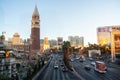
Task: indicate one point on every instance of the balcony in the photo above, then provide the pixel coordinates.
(1, 68)
(9, 67)
(9, 71)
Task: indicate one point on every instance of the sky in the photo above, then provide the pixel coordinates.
(59, 18)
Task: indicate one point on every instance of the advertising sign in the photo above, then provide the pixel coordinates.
(60, 40)
(103, 35)
(117, 42)
(103, 29)
(116, 28)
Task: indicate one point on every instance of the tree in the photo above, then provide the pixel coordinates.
(4, 77)
(66, 51)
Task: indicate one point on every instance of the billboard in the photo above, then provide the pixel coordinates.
(103, 35)
(103, 29)
(117, 42)
(60, 40)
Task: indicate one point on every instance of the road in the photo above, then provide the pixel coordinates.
(50, 73)
(113, 71)
(79, 73)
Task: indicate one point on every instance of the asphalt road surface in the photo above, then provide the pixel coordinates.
(79, 73)
(50, 73)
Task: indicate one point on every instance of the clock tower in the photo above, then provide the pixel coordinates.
(35, 33)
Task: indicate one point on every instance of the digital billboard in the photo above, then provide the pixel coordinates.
(117, 42)
(103, 35)
(60, 40)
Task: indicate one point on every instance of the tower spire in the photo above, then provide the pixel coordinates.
(36, 11)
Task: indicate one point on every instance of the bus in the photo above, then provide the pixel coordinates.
(100, 67)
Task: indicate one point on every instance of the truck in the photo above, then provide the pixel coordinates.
(100, 66)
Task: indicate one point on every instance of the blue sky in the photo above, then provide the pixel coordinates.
(59, 18)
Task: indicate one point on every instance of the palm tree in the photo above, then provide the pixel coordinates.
(66, 51)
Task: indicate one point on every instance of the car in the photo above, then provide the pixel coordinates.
(91, 59)
(106, 69)
(56, 66)
(81, 60)
(93, 63)
(61, 64)
(87, 67)
(64, 69)
(72, 60)
(45, 62)
(60, 60)
(77, 57)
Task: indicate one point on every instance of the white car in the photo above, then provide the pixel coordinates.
(56, 66)
(72, 60)
(93, 63)
(77, 57)
(91, 59)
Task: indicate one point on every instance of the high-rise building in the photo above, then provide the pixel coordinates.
(76, 41)
(81, 41)
(53, 43)
(35, 32)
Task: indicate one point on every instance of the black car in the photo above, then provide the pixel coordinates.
(81, 60)
(87, 67)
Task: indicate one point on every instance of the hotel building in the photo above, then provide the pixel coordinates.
(110, 35)
(76, 41)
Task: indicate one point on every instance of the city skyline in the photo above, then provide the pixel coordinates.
(59, 18)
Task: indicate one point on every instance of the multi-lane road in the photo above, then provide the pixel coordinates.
(79, 73)
(50, 73)
(113, 71)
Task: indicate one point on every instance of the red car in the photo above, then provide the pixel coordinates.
(62, 64)
(64, 69)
